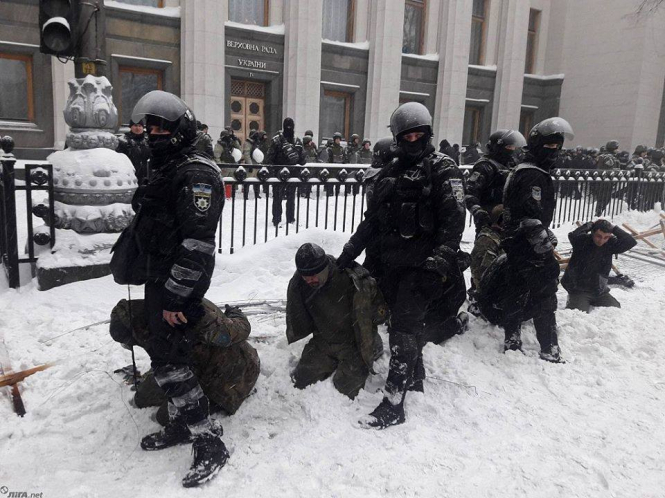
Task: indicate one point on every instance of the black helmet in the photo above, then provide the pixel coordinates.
(499, 140)
(170, 113)
(139, 122)
(505, 138)
(612, 145)
(640, 149)
(551, 130)
(410, 116)
(337, 135)
(383, 151)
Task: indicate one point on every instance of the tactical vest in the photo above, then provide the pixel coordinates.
(536, 193)
(337, 154)
(404, 201)
(157, 231)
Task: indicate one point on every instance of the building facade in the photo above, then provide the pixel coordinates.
(345, 65)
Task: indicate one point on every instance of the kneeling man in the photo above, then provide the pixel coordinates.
(586, 276)
(342, 309)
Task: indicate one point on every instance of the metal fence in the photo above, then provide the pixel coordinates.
(332, 197)
(38, 177)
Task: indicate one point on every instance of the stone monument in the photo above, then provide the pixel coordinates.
(93, 187)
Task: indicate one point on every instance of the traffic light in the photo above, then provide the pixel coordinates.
(58, 26)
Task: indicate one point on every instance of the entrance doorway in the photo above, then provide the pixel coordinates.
(247, 107)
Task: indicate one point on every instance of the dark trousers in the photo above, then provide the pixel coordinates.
(583, 301)
(416, 301)
(532, 294)
(277, 191)
(169, 352)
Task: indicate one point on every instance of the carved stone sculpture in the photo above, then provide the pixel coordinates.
(93, 184)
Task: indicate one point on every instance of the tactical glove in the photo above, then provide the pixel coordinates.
(480, 217)
(233, 312)
(442, 261)
(344, 260)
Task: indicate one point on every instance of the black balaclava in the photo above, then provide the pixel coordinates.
(545, 157)
(288, 129)
(414, 151)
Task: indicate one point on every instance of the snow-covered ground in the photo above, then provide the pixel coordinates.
(488, 425)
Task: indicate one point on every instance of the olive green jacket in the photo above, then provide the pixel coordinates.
(369, 309)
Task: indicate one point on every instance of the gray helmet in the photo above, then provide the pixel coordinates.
(612, 145)
(170, 113)
(337, 135)
(354, 136)
(551, 129)
(366, 141)
(309, 133)
(410, 116)
(504, 138)
(640, 149)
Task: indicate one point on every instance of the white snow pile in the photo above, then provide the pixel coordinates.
(488, 425)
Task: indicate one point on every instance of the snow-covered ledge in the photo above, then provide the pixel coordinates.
(158, 11)
(277, 29)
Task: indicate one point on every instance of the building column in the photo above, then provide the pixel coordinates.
(385, 66)
(202, 54)
(454, 46)
(511, 57)
(61, 74)
(302, 63)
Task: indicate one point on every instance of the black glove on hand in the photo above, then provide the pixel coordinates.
(442, 261)
(344, 260)
(233, 312)
(481, 218)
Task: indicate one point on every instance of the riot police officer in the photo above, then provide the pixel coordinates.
(415, 215)
(177, 216)
(134, 144)
(285, 150)
(484, 188)
(529, 201)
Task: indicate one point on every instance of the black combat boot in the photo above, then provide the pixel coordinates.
(513, 337)
(176, 432)
(404, 351)
(210, 455)
(546, 332)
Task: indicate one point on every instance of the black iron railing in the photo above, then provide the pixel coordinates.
(38, 178)
(337, 202)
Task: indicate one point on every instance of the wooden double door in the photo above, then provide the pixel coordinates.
(247, 107)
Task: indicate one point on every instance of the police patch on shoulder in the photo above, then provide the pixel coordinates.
(202, 196)
(536, 193)
(458, 189)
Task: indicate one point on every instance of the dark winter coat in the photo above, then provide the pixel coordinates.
(484, 188)
(412, 210)
(589, 266)
(178, 214)
(368, 308)
(608, 161)
(203, 144)
(136, 148)
(283, 152)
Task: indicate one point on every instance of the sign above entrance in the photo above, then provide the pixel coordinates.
(251, 47)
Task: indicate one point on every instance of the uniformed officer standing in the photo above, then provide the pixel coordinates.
(529, 202)
(178, 212)
(285, 150)
(365, 155)
(415, 215)
(134, 144)
(484, 188)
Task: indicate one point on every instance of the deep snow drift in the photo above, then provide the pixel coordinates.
(489, 424)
